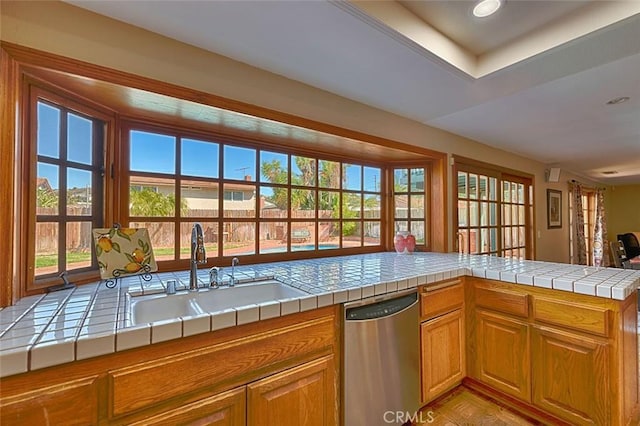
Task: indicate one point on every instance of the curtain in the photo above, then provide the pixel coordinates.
(580, 245)
(600, 245)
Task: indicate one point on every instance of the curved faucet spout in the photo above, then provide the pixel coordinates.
(198, 254)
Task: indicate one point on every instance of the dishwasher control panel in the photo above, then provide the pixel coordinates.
(381, 309)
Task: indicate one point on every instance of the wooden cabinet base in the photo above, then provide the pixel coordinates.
(200, 379)
(571, 356)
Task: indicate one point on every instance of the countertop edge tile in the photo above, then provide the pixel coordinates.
(164, 330)
(196, 324)
(133, 337)
(15, 361)
(90, 346)
(51, 353)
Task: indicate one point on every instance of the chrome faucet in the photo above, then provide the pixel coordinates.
(198, 255)
(232, 280)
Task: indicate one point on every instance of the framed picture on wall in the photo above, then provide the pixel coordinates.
(554, 209)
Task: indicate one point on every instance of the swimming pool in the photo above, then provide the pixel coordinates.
(303, 247)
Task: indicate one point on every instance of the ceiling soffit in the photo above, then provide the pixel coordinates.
(404, 26)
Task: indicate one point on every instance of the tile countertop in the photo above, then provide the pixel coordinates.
(55, 328)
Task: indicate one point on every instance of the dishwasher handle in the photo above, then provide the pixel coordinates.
(380, 309)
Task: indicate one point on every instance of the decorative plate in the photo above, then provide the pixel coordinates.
(123, 251)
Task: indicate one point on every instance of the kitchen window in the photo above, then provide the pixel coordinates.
(66, 201)
(263, 189)
(410, 201)
(272, 202)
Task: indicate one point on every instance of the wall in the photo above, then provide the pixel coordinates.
(623, 210)
(73, 32)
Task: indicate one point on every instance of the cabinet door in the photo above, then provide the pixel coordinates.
(443, 354)
(225, 409)
(69, 403)
(301, 396)
(503, 353)
(570, 376)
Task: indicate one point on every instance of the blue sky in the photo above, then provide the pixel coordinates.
(151, 152)
(79, 131)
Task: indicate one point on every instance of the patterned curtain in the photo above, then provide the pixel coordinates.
(580, 245)
(600, 246)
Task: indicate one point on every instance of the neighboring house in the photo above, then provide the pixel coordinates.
(204, 195)
(43, 183)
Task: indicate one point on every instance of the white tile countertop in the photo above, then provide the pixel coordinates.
(90, 320)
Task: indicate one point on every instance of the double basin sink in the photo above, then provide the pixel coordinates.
(158, 307)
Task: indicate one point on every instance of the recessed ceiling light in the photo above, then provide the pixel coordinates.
(486, 8)
(619, 100)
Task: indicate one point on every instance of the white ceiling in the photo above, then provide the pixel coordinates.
(534, 79)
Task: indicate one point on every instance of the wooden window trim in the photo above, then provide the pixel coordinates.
(469, 165)
(33, 91)
(219, 257)
(68, 78)
(431, 235)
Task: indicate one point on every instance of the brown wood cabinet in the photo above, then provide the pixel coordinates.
(280, 367)
(502, 360)
(571, 376)
(443, 364)
(225, 409)
(559, 357)
(298, 396)
(70, 402)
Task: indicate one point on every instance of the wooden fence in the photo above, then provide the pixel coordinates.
(79, 237)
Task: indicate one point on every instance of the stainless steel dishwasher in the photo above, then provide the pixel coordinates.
(381, 359)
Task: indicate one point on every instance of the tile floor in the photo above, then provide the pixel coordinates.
(463, 407)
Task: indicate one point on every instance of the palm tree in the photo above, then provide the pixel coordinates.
(149, 203)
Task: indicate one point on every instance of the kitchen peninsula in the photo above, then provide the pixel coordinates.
(555, 341)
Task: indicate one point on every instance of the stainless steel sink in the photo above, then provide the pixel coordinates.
(158, 307)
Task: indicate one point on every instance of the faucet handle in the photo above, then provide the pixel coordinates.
(234, 262)
(171, 287)
(214, 277)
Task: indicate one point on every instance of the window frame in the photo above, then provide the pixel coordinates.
(34, 92)
(128, 125)
(501, 174)
(428, 200)
(117, 95)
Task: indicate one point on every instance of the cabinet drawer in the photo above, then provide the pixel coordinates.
(441, 298)
(69, 403)
(502, 300)
(591, 319)
(243, 359)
